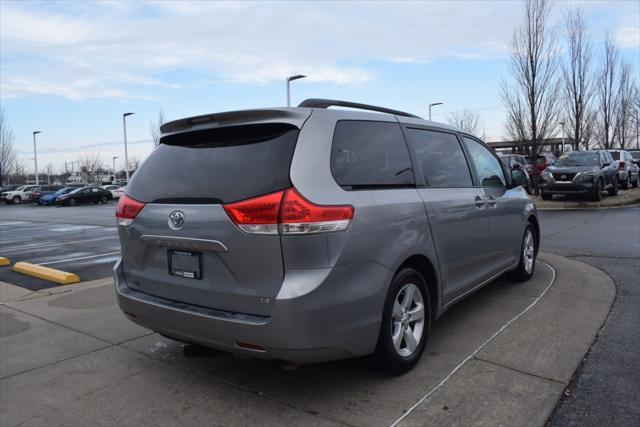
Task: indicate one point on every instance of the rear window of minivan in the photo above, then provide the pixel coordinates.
(219, 165)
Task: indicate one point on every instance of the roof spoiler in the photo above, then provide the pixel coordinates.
(326, 103)
(230, 118)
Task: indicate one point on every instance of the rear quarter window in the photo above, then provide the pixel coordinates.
(370, 155)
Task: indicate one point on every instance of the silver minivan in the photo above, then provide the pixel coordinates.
(312, 233)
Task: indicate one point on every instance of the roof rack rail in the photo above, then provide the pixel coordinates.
(326, 103)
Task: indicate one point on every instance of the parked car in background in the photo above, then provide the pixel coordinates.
(353, 245)
(43, 190)
(116, 190)
(9, 187)
(628, 170)
(517, 161)
(542, 161)
(84, 195)
(50, 199)
(19, 195)
(580, 172)
(636, 156)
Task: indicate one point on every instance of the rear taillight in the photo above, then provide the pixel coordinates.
(288, 212)
(621, 167)
(258, 215)
(127, 210)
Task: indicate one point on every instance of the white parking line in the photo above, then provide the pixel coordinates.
(19, 248)
(454, 370)
(80, 258)
(13, 223)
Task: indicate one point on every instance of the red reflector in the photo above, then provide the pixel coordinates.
(253, 347)
(621, 166)
(296, 208)
(260, 210)
(128, 209)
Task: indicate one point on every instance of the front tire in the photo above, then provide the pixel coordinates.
(597, 190)
(406, 320)
(72, 202)
(104, 200)
(528, 254)
(17, 200)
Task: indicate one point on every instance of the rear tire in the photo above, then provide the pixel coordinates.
(613, 191)
(627, 183)
(104, 200)
(72, 202)
(407, 317)
(528, 254)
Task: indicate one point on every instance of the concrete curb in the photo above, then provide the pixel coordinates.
(45, 273)
(518, 376)
(631, 205)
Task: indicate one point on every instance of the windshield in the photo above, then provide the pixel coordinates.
(578, 159)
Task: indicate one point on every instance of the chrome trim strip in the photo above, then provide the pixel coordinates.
(184, 243)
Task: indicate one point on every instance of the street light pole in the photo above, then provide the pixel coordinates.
(289, 80)
(35, 154)
(433, 105)
(114, 167)
(126, 154)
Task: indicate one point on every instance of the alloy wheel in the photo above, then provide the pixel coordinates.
(407, 320)
(528, 251)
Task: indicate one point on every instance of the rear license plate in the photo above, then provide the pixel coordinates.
(185, 264)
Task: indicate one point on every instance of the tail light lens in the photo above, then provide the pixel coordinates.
(127, 210)
(300, 216)
(258, 215)
(621, 167)
(288, 212)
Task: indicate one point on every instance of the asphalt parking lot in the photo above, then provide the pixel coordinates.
(79, 239)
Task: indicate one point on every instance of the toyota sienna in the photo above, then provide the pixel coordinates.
(311, 234)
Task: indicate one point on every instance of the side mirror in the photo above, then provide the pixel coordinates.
(518, 178)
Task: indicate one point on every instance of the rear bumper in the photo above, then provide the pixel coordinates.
(338, 318)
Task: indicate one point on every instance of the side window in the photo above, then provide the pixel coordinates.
(440, 157)
(486, 164)
(370, 154)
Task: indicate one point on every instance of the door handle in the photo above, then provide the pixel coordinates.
(492, 202)
(479, 202)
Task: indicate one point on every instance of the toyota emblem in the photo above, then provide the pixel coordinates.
(176, 220)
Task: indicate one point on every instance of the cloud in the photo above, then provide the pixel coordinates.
(109, 49)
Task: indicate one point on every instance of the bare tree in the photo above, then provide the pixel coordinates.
(577, 77)
(606, 84)
(155, 128)
(589, 129)
(531, 99)
(91, 165)
(467, 120)
(625, 109)
(7, 152)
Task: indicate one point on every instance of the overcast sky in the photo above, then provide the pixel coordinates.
(70, 69)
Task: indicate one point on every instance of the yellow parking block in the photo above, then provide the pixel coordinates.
(46, 273)
(4, 261)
